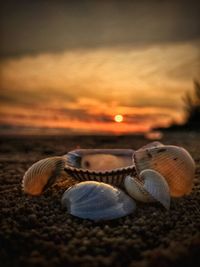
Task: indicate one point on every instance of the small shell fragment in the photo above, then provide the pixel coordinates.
(97, 201)
(42, 174)
(151, 188)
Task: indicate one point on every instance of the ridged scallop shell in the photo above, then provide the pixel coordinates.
(174, 163)
(97, 201)
(42, 174)
(153, 187)
(102, 165)
(152, 145)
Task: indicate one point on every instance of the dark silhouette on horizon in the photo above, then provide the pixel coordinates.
(192, 111)
(192, 108)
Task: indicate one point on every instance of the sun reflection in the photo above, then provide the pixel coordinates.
(118, 118)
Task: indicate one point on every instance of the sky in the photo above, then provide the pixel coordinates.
(74, 65)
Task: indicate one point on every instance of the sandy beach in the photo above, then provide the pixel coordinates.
(36, 231)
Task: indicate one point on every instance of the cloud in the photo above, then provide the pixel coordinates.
(48, 26)
(76, 88)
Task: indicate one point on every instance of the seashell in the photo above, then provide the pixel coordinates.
(174, 163)
(151, 145)
(97, 201)
(42, 174)
(152, 188)
(111, 166)
(101, 162)
(103, 165)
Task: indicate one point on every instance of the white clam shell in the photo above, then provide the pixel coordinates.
(97, 201)
(42, 174)
(174, 163)
(151, 188)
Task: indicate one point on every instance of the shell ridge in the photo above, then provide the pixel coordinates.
(55, 173)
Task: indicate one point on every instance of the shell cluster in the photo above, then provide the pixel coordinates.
(174, 163)
(112, 179)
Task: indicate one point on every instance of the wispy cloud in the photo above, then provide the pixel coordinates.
(84, 89)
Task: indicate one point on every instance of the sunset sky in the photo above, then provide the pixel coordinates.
(77, 64)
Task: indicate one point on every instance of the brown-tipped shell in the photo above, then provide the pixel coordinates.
(42, 174)
(174, 163)
(152, 145)
(103, 165)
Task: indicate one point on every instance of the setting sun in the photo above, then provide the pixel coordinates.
(118, 118)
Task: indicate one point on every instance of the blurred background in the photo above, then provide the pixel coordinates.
(99, 67)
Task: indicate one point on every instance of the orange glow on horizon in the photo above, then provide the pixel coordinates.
(29, 117)
(36, 91)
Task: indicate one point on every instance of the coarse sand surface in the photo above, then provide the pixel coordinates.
(36, 231)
